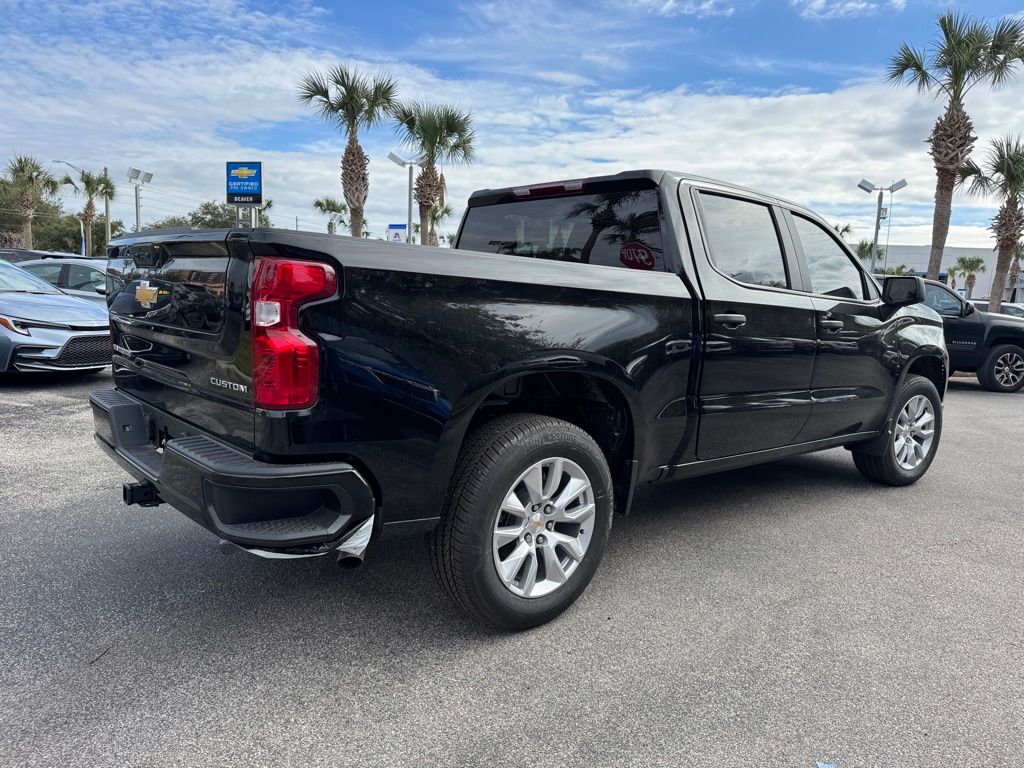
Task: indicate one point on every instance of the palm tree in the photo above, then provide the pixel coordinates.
(437, 134)
(92, 185)
(1014, 273)
(1002, 177)
(864, 251)
(969, 267)
(335, 210)
(902, 269)
(843, 230)
(353, 102)
(951, 275)
(602, 210)
(31, 184)
(965, 53)
(438, 213)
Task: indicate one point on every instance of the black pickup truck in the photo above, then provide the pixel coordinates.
(301, 395)
(986, 344)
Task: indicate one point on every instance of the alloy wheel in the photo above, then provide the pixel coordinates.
(1009, 369)
(914, 432)
(544, 527)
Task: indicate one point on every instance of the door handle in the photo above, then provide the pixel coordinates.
(831, 325)
(730, 321)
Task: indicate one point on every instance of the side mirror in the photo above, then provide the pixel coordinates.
(101, 289)
(902, 290)
(969, 309)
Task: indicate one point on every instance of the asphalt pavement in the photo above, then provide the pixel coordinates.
(784, 615)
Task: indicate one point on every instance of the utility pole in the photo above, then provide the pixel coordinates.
(408, 224)
(106, 209)
(137, 178)
(868, 187)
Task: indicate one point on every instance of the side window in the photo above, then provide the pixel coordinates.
(742, 240)
(830, 268)
(49, 272)
(82, 277)
(942, 301)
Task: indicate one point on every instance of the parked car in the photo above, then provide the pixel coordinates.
(84, 278)
(299, 395)
(18, 255)
(990, 345)
(1007, 308)
(43, 329)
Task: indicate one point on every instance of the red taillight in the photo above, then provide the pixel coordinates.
(286, 363)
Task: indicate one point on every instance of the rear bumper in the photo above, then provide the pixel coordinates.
(274, 510)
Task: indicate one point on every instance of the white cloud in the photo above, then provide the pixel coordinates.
(181, 107)
(698, 8)
(842, 9)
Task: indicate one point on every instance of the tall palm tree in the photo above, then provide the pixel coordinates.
(335, 210)
(92, 185)
(965, 53)
(1002, 176)
(437, 134)
(603, 211)
(351, 101)
(31, 184)
(1014, 273)
(969, 267)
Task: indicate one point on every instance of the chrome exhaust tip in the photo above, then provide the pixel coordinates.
(352, 550)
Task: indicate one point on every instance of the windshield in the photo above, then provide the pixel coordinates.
(16, 280)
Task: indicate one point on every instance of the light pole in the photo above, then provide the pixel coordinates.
(868, 187)
(412, 168)
(137, 178)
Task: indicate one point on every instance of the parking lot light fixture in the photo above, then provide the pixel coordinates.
(869, 187)
(137, 178)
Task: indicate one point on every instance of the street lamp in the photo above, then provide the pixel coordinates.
(868, 187)
(412, 167)
(137, 178)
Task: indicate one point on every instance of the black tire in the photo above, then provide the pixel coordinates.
(491, 459)
(884, 468)
(993, 374)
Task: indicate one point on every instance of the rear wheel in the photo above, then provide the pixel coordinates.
(526, 521)
(912, 440)
(1003, 369)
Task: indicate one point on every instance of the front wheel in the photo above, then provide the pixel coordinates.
(526, 520)
(912, 439)
(1003, 369)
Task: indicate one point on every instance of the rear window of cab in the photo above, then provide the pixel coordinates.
(614, 226)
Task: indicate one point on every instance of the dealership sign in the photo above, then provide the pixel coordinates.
(245, 183)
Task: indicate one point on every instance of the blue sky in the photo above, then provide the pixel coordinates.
(784, 95)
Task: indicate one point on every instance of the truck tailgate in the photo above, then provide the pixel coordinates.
(180, 327)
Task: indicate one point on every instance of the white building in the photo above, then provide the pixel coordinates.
(916, 257)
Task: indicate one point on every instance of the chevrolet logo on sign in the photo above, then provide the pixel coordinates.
(243, 172)
(146, 294)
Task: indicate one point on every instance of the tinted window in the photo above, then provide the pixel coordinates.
(830, 268)
(82, 277)
(942, 301)
(49, 272)
(617, 228)
(743, 241)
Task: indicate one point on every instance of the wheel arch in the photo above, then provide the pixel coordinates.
(594, 395)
